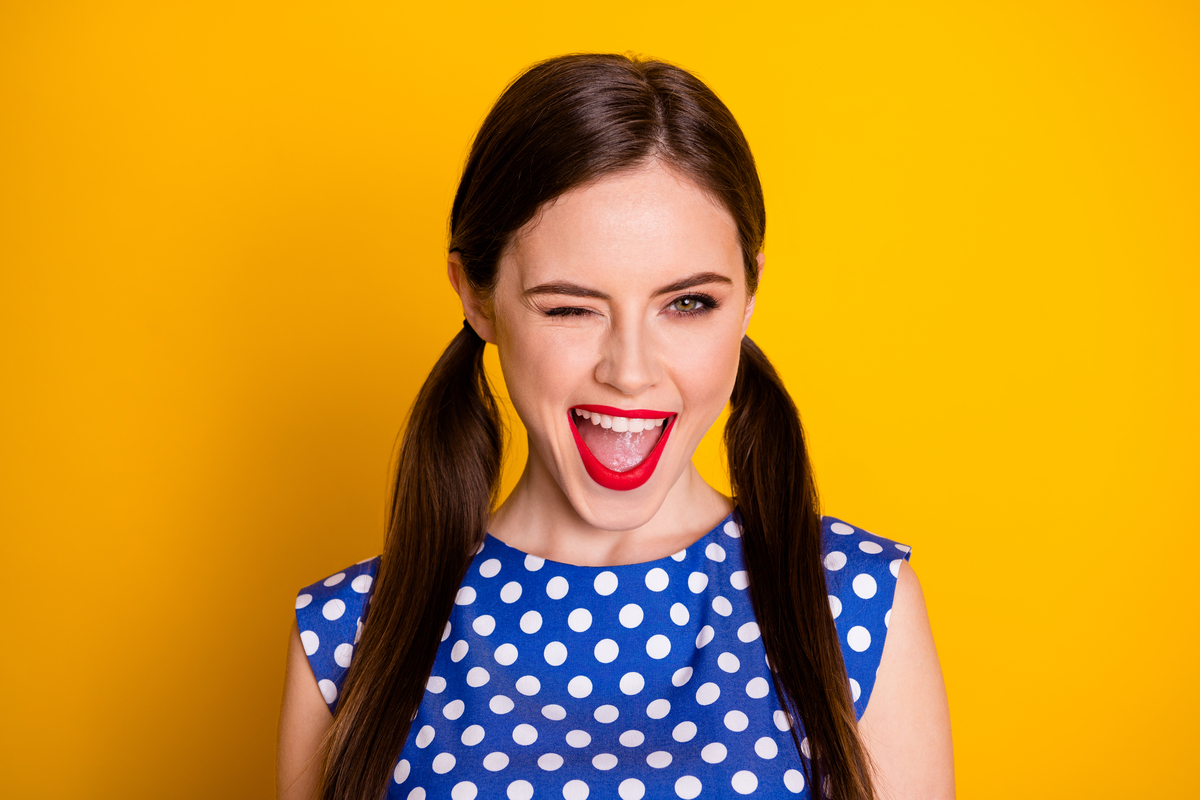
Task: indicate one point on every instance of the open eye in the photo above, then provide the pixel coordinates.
(691, 304)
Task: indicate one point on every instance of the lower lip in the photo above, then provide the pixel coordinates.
(619, 481)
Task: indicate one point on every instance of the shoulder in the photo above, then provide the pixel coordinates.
(861, 575)
(329, 615)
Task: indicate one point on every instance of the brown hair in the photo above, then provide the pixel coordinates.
(561, 124)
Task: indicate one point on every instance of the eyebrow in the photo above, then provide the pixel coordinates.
(576, 290)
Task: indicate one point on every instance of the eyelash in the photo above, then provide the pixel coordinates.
(707, 303)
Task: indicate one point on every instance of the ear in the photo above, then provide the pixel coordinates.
(761, 258)
(473, 308)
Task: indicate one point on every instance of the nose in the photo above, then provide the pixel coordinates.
(628, 362)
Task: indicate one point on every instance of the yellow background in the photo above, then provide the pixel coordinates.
(222, 232)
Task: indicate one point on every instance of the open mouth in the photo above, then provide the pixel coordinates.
(620, 448)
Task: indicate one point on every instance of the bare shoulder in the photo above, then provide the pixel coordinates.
(303, 720)
(906, 727)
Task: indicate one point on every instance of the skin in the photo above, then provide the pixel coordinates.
(579, 315)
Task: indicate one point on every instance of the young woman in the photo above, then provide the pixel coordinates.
(617, 627)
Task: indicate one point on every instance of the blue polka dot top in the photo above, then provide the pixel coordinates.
(636, 681)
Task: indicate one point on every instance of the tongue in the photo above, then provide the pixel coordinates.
(619, 452)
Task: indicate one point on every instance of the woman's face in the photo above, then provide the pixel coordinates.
(618, 314)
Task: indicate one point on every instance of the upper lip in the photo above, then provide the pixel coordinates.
(628, 413)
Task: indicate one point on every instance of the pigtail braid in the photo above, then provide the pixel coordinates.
(776, 499)
(447, 477)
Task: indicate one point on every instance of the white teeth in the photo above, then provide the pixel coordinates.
(638, 425)
(621, 424)
(605, 421)
(585, 414)
(658, 423)
(595, 419)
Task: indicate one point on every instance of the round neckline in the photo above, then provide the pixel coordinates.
(652, 562)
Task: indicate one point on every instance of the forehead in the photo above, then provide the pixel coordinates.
(642, 225)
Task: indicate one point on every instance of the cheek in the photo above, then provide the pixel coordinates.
(541, 370)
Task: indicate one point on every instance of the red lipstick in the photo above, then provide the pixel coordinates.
(630, 479)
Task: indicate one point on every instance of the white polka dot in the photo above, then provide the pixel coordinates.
(864, 586)
(722, 606)
(731, 528)
(477, 676)
(659, 759)
(531, 622)
(606, 651)
(680, 556)
(631, 789)
(835, 605)
(334, 580)
(465, 596)
(681, 676)
(524, 734)
(744, 781)
(658, 646)
(804, 748)
(870, 547)
(473, 735)
(303, 600)
(758, 688)
(715, 552)
(576, 790)
(835, 561)
(533, 563)
(580, 620)
(425, 736)
(520, 790)
(781, 720)
(793, 779)
(445, 631)
(328, 690)
(684, 732)
(311, 642)
(729, 662)
(579, 739)
(333, 609)
(705, 636)
(841, 529)
(511, 592)
(361, 584)
(529, 686)
(550, 762)
(707, 694)
(739, 580)
(736, 721)
(887, 619)
(631, 615)
(557, 587)
(606, 714)
(604, 761)
(358, 631)
(679, 614)
(505, 654)
(459, 650)
(903, 548)
(632, 683)
(464, 790)
(435, 684)
(605, 583)
(554, 712)
(402, 770)
(766, 747)
(748, 632)
(443, 763)
(500, 704)
(895, 567)
(658, 709)
(495, 762)
(714, 753)
(580, 686)
(859, 638)
(855, 690)
(454, 709)
(697, 581)
(555, 653)
(656, 579)
(632, 738)
(490, 568)
(484, 625)
(342, 655)
(416, 794)
(688, 787)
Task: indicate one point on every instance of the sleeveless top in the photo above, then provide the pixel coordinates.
(636, 681)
